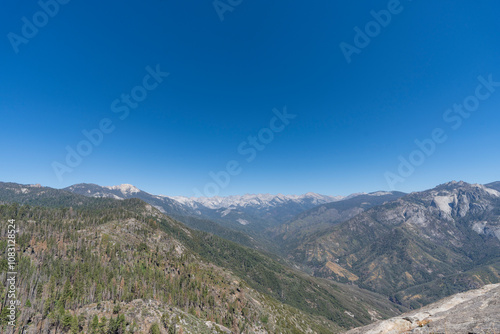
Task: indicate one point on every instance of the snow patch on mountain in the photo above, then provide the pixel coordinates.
(376, 193)
(252, 200)
(125, 189)
(226, 212)
(160, 208)
(243, 221)
(380, 193)
(106, 195)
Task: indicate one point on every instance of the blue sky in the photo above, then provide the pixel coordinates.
(353, 120)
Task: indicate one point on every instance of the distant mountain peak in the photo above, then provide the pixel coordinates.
(265, 200)
(125, 189)
(460, 183)
(454, 186)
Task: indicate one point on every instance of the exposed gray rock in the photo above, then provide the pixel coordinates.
(475, 311)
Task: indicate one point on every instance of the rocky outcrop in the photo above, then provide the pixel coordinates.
(447, 238)
(475, 311)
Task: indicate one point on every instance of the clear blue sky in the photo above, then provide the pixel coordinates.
(225, 77)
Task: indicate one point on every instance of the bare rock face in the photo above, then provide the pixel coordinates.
(475, 311)
(417, 249)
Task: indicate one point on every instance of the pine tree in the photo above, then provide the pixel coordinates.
(94, 325)
(66, 322)
(75, 328)
(102, 325)
(155, 329)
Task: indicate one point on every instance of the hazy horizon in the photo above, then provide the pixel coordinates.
(257, 193)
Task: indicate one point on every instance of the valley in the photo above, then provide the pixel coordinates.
(93, 257)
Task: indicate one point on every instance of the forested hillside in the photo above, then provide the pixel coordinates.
(84, 270)
(109, 266)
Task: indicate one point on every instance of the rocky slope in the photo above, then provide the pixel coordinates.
(445, 240)
(476, 311)
(326, 215)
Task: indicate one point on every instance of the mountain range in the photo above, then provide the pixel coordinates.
(446, 238)
(227, 217)
(244, 264)
(257, 211)
(90, 264)
(323, 216)
(418, 248)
